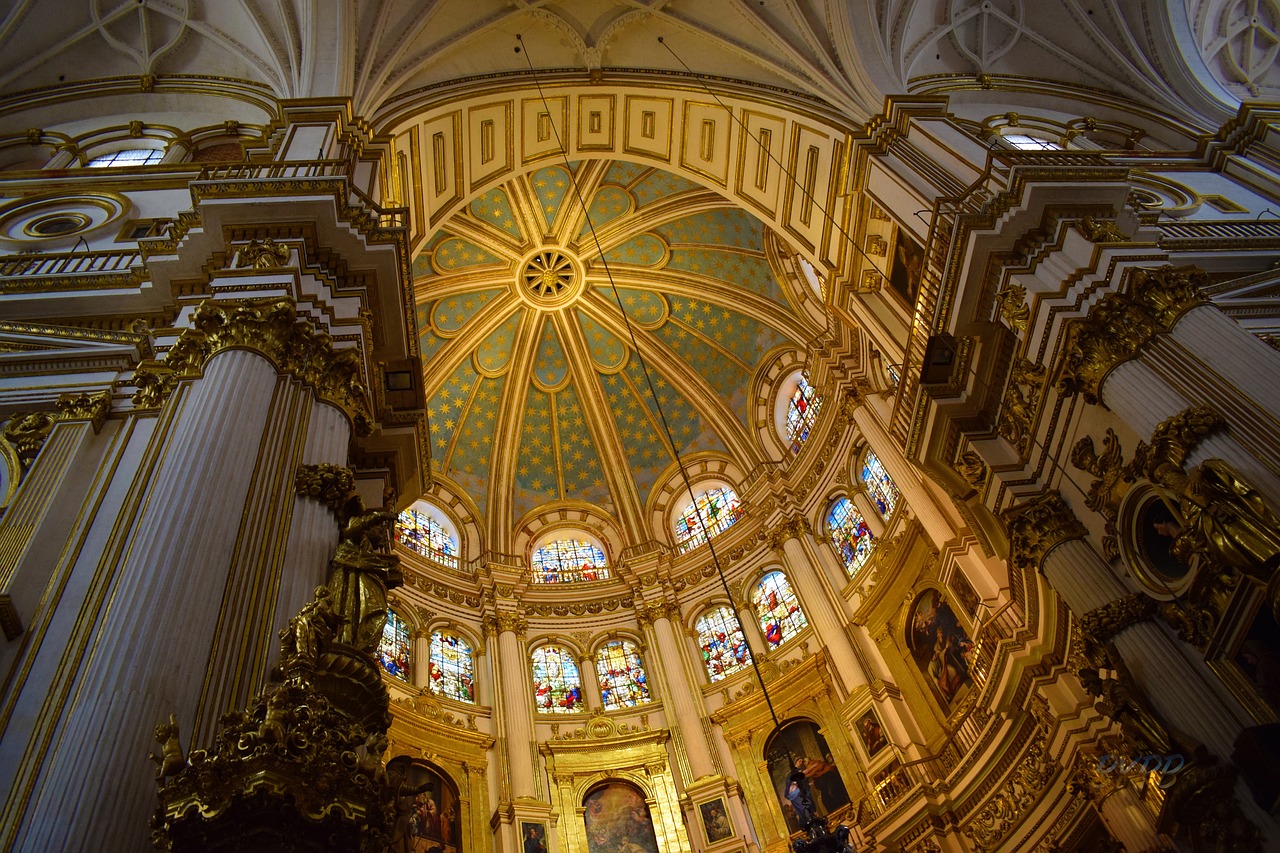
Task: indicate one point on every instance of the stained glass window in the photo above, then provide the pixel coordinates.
(557, 688)
(778, 609)
(128, 157)
(393, 651)
(623, 682)
(425, 535)
(451, 667)
(1030, 143)
(802, 411)
(884, 494)
(850, 535)
(719, 509)
(569, 560)
(724, 649)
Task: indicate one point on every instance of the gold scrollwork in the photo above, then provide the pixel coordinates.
(1123, 323)
(330, 484)
(1038, 526)
(1020, 400)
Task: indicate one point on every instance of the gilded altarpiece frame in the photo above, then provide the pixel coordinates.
(577, 764)
(433, 736)
(804, 692)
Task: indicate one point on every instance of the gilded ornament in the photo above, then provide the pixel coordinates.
(1021, 398)
(1113, 479)
(1013, 800)
(91, 407)
(877, 245)
(1101, 230)
(1099, 625)
(793, 527)
(170, 761)
(1119, 698)
(361, 573)
(972, 468)
(513, 622)
(1038, 526)
(332, 485)
(27, 433)
(1011, 303)
(1202, 802)
(264, 254)
(314, 627)
(1121, 324)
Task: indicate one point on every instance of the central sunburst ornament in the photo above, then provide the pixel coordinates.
(548, 274)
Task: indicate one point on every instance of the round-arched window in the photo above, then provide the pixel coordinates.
(802, 411)
(623, 681)
(424, 534)
(777, 609)
(850, 535)
(569, 561)
(393, 648)
(127, 157)
(724, 648)
(711, 513)
(879, 485)
(452, 670)
(557, 687)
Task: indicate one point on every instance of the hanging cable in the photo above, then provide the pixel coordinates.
(662, 417)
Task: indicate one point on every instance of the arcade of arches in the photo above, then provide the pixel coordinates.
(906, 424)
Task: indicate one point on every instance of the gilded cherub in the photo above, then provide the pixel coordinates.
(170, 759)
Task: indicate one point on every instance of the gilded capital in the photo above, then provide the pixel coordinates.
(794, 527)
(91, 407)
(1037, 527)
(1099, 625)
(1122, 324)
(512, 622)
(273, 329)
(647, 614)
(330, 484)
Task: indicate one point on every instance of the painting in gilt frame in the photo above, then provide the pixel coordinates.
(940, 646)
(800, 746)
(534, 837)
(428, 810)
(617, 818)
(872, 733)
(715, 820)
(907, 267)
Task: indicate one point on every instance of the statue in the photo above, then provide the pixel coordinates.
(315, 625)
(362, 571)
(170, 759)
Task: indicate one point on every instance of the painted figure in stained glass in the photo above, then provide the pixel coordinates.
(850, 534)
(802, 411)
(777, 609)
(424, 535)
(393, 649)
(452, 671)
(569, 560)
(557, 687)
(724, 648)
(623, 682)
(884, 494)
(718, 508)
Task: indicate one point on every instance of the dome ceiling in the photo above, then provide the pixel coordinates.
(535, 390)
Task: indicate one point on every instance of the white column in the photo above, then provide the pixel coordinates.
(1239, 357)
(590, 682)
(517, 712)
(679, 699)
(1128, 820)
(822, 615)
(869, 512)
(175, 561)
(914, 491)
(420, 658)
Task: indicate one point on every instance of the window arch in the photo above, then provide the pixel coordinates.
(393, 649)
(850, 534)
(623, 681)
(879, 485)
(719, 508)
(557, 687)
(724, 648)
(569, 560)
(778, 609)
(802, 411)
(1024, 142)
(424, 535)
(127, 157)
(452, 669)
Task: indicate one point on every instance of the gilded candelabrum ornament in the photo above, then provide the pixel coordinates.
(1101, 230)
(1017, 412)
(1122, 323)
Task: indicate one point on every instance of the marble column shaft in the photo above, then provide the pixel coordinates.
(937, 526)
(802, 571)
(679, 700)
(513, 665)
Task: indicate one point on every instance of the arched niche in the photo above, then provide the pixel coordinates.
(428, 807)
(798, 757)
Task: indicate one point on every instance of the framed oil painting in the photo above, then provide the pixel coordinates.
(872, 733)
(906, 268)
(428, 813)
(800, 746)
(940, 647)
(617, 818)
(715, 820)
(534, 837)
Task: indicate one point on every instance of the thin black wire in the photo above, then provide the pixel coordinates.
(792, 178)
(635, 345)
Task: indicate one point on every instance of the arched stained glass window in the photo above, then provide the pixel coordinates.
(393, 650)
(569, 560)
(451, 668)
(724, 649)
(850, 535)
(557, 687)
(884, 494)
(127, 157)
(719, 509)
(778, 609)
(423, 534)
(802, 411)
(623, 682)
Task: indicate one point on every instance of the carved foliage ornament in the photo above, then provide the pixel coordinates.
(1099, 625)
(273, 329)
(330, 484)
(1122, 323)
(1003, 812)
(1037, 526)
(1017, 412)
(27, 432)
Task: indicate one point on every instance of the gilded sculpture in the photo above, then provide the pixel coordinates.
(170, 760)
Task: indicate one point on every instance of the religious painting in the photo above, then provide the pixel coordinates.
(966, 595)
(798, 756)
(907, 267)
(1258, 656)
(1155, 529)
(617, 819)
(715, 820)
(534, 837)
(427, 810)
(872, 733)
(940, 646)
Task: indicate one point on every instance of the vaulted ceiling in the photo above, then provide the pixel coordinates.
(537, 389)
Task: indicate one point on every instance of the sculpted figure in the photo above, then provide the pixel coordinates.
(315, 625)
(170, 758)
(362, 572)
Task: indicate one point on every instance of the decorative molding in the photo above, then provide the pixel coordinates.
(1004, 811)
(1120, 325)
(91, 407)
(1037, 527)
(1101, 230)
(1017, 413)
(330, 484)
(1099, 625)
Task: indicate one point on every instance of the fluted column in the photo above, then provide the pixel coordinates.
(919, 499)
(818, 607)
(680, 694)
(420, 659)
(517, 696)
(165, 574)
(1224, 346)
(869, 513)
(590, 682)
(1129, 821)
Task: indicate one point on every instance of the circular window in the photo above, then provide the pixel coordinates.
(57, 225)
(548, 274)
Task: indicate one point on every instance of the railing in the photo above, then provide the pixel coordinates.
(278, 170)
(70, 263)
(1175, 234)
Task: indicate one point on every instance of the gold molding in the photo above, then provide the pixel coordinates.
(1037, 527)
